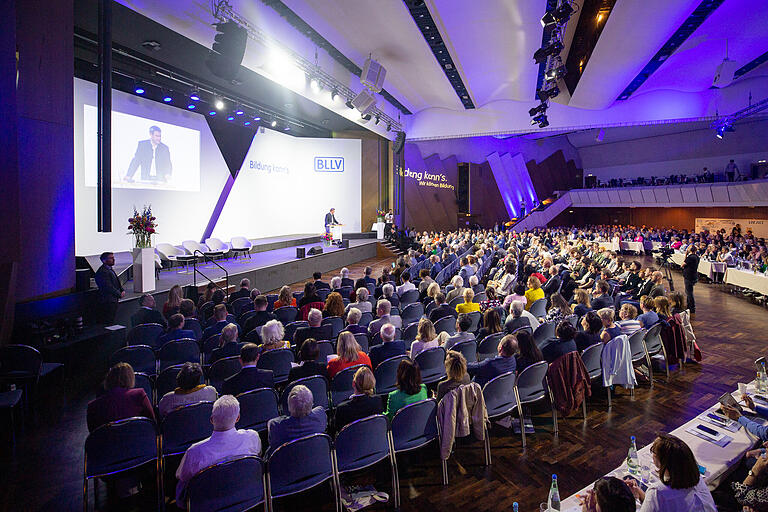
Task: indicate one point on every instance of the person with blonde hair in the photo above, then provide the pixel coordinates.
(581, 298)
(662, 308)
(284, 298)
(628, 323)
(362, 403)
(272, 335)
(456, 374)
(534, 291)
(426, 337)
(349, 354)
(468, 306)
(173, 304)
(362, 304)
(610, 329)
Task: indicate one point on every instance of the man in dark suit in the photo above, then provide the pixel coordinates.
(389, 347)
(147, 314)
(249, 377)
(261, 317)
(154, 158)
(441, 309)
(345, 280)
(503, 363)
(690, 276)
(436, 266)
(318, 283)
(315, 330)
(244, 291)
(330, 220)
(553, 283)
(220, 317)
(110, 289)
(634, 281)
(601, 299)
(368, 278)
(176, 330)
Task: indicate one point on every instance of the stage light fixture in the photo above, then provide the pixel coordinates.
(287, 128)
(722, 130)
(231, 118)
(334, 93)
(257, 118)
(558, 15)
(556, 72)
(389, 127)
(167, 97)
(315, 85)
(195, 96)
(247, 123)
(378, 119)
(219, 104)
(273, 123)
(191, 106)
(366, 117)
(349, 104)
(544, 123)
(212, 113)
(239, 111)
(138, 88)
(539, 109)
(539, 119)
(553, 48)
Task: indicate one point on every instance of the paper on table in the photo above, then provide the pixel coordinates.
(722, 442)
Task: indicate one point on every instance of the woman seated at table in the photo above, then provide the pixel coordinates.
(349, 354)
(680, 488)
(468, 306)
(609, 494)
(409, 388)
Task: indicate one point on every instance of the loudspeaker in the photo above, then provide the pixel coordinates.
(192, 293)
(301, 252)
(373, 75)
(590, 181)
(344, 244)
(364, 102)
(462, 188)
(318, 249)
(82, 279)
(228, 50)
(399, 143)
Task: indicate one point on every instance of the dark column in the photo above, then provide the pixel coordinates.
(104, 177)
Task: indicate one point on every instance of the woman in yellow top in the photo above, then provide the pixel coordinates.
(468, 306)
(534, 291)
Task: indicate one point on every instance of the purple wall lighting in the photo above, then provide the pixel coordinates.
(514, 183)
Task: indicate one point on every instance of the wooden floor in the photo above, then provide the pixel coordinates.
(45, 471)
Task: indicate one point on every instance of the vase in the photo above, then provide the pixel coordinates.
(143, 269)
(327, 243)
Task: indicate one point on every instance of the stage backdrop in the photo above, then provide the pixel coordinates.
(285, 186)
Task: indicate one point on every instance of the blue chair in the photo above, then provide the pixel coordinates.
(193, 324)
(592, 359)
(341, 384)
(138, 442)
(145, 334)
(143, 381)
(529, 388)
(323, 293)
(432, 364)
(245, 315)
(299, 465)
(257, 407)
(271, 299)
(183, 427)
(475, 317)
(166, 381)
(539, 308)
(386, 374)
(178, 352)
(287, 314)
(362, 340)
(237, 484)
(410, 332)
(238, 304)
(446, 324)
(414, 426)
(336, 323)
(205, 311)
(253, 336)
(140, 357)
(223, 369)
(429, 307)
(279, 361)
(362, 444)
(499, 395)
(317, 384)
(468, 349)
(298, 296)
(211, 343)
(489, 346)
(290, 329)
(544, 332)
(365, 319)
(345, 291)
(325, 349)
(455, 302)
(409, 297)
(640, 355)
(654, 345)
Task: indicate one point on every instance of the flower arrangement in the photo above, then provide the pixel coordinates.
(142, 226)
(327, 237)
(380, 215)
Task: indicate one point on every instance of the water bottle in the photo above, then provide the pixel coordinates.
(633, 462)
(514, 507)
(553, 502)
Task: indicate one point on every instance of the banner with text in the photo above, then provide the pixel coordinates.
(758, 227)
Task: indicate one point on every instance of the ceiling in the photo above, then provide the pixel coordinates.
(492, 42)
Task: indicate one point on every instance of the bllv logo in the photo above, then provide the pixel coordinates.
(329, 164)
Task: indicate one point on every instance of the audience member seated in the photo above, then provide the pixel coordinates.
(187, 309)
(315, 330)
(219, 321)
(173, 304)
(516, 319)
(189, 390)
(243, 292)
(308, 365)
(272, 336)
(426, 338)
(176, 330)
(409, 388)
(261, 317)
(534, 291)
(317, 276)
(407, 285)
(591, 325)
(218, 296)
(601, 298)
(609, 494)
(565, 331)
(648, 316)
(468, 306)
(383, 308)
(680, 487)
(147, 314)
(518, 293)
(284, 298)
(463, 323)
(208, 295)
(553, 283)
(662, 308)
(349, 355)
(485, 370)
(368, 278)
(610, 329)
(528, 352)
(442, 309)
(362, 304)
(492, 301)
(335, 284)
(676, 302)
(657, 290)
(121, 399)
(389, 347)
(388, 293)
(458, 289)
(228, 344)
(426, 280)
(303, 419)
(334, 305)
(628, 323)
(559, 309)
(456, 372)
(249, 377)
(226, 442)
(345, 280)
(362, 403)
(310, 295)
(353, 317)
(491, 324)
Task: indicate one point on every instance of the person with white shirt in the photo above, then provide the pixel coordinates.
(680, 488)
(407, 284)
(226, 442)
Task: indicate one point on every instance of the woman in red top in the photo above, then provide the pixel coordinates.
(121, 400)
(349, 355)
(285, 298)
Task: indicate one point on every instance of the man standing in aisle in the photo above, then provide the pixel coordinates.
(110, 289)
(731, 170)
(691, 276)
(330, 220)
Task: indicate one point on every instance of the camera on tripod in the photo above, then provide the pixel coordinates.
(664, 252)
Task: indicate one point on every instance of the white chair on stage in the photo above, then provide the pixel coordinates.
(171, 253)
(195, 248)
(240, 245)
(214, 244)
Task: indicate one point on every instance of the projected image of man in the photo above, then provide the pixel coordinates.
(153, 156)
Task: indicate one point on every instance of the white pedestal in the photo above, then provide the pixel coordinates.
(336, 233)
(144, 270)
(378, 227)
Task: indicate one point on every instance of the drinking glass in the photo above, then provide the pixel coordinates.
(645, 474)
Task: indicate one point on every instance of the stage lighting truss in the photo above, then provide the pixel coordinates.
(725, 124)
(559, 15)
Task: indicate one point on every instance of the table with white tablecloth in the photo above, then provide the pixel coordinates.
(718, 461)
(747, 279)
(706, 267)
(632, 246)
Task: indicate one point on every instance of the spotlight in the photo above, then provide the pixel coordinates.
(315, 85)
(349, 104)
(389, 127)
(231, 118)
(558, 15)
(219, 104)
(195, 96)
(212, 113)
(334, 93)
(138, 88)
(553, 48)
(239, 111)
(257, 118)
(287, 128)
(366, 117)
(273, 123)
(539, 119)
(378, 118)
(556, 72)
(247, 123)
(545, 94)
(167, 98)
(722, 130)
(544, 123)
(539, 109)
(191, 106)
